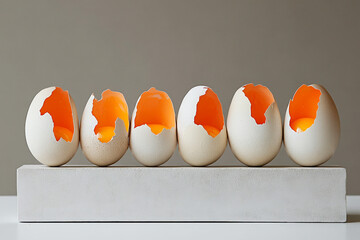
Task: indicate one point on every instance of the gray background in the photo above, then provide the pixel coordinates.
(129, 46)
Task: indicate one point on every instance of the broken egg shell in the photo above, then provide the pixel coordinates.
(253, 144)
(318, 143)
(196, 146)
(40, 137)
(148, 148)
(97, 152)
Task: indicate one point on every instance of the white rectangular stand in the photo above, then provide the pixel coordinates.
(265, 194)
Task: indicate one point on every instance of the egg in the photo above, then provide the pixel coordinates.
(311, 126)
(254, 125)
(153, 128)
(201, 128)
(104, 128)
(51, 127)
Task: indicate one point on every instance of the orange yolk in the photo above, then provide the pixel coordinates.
(260, 99)
(302, 124)
(107, 110)
(303, 108)
(209, 113)
(105, 134)
(156, 110)
(63, 133)
(212, 131)
(156, 128)
(59, 107)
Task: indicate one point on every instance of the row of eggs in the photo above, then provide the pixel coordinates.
(311, 129)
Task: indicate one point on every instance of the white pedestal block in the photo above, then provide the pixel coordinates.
(265, 194)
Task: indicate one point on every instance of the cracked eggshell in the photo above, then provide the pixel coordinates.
(318, 143)
(254, 131)
(40, 136)
(148, 148)
(196, 146)
(97, 152)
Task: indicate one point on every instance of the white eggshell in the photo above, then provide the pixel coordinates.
(148, 148)
(318, 143)
(196, 146)
(253, 144)
(97, 152)
(40, 136)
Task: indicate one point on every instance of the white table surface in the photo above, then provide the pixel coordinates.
(11, 229)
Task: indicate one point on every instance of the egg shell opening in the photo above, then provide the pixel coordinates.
(155, 109)
(107, 110)
(260, 99)
(58, 106)
(304, 106)
(209, 113)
